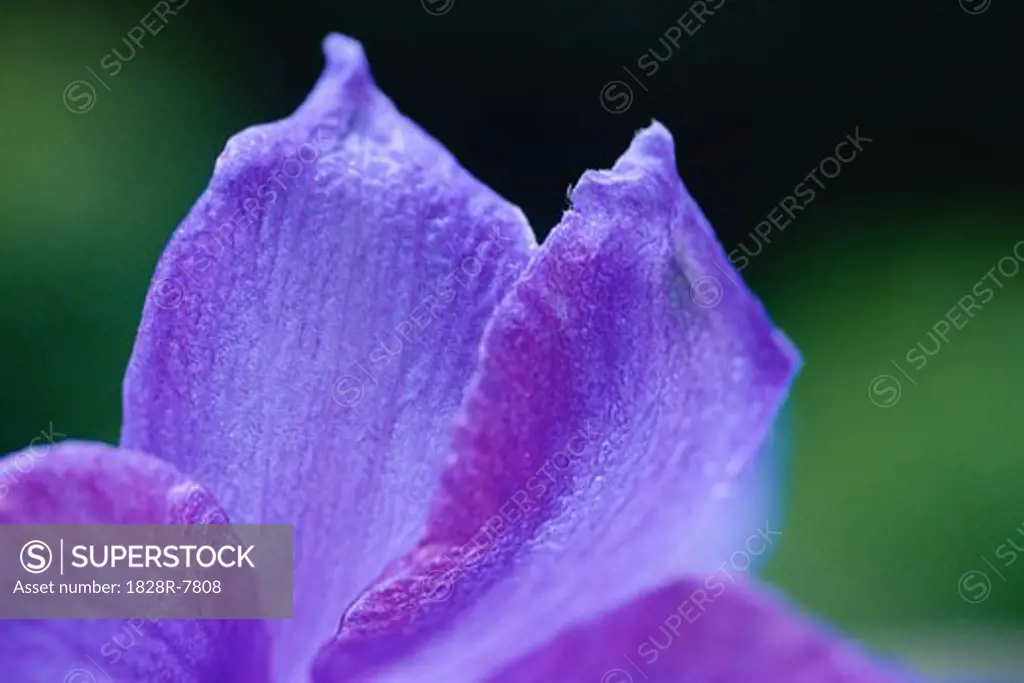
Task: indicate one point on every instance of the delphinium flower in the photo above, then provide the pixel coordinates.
(503, 462)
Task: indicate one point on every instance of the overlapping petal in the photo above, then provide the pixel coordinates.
(312, 326)
(714, 628)
(720, 626)
(86, 483)
(625, 381)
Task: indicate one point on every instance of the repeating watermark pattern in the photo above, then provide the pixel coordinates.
(885, 390)
(975, 585)
(439, 585)
(80, 95)
(349, 389)
(975, 6)
(437, 8)
(699, 601)
(708, 289)
(15, 467)
(199, 255)
(616, 96)
(803, 194)
(110, 652)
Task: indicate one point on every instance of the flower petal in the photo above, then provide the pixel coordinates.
(87, 483)
(696, 631)
(311, 328)
(748, 509)
(625, 381)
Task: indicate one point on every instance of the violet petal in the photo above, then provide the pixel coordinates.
(88, 483)
(307, 366)
(716, 628)
(625, 382)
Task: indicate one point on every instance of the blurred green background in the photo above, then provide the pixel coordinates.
(886, 507)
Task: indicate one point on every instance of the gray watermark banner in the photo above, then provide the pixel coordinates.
(158, 571)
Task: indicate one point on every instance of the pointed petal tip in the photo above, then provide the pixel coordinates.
(346, 83)
(653, 141)
(652, 150)
(642, 180)
(342, 51)
(344, 90)
(651, 155)
(346, 63)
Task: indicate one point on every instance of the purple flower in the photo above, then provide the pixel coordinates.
(504, 462)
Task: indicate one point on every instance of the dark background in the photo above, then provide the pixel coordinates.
(887, 507)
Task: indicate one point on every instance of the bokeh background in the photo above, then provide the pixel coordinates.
(896, 488)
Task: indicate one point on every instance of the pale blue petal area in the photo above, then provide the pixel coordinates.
(748, 517)
(311, 328)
